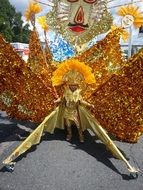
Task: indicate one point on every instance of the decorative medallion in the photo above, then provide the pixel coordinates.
(79, 20)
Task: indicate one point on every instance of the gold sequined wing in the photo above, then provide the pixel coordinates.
(26, 92)
(105, 57)
(119, 102)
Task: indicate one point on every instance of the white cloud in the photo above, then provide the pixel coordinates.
(19, 5)
(22, 5)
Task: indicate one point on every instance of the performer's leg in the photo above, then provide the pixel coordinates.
(69, 130)
(80, 132)
(81, 136)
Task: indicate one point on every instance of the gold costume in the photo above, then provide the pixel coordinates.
(80, 114)
(71, 108)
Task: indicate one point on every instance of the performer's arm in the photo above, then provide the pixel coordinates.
(58, 100)
(86, 103)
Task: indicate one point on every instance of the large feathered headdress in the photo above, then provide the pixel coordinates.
(72, 71)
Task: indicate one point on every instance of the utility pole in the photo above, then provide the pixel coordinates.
(130, 40)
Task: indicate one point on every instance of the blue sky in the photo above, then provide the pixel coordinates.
(21, 6)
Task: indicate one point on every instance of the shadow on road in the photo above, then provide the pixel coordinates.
(99, 151)
(92, 146)
(10, 129)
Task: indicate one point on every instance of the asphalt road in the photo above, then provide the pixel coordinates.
(56, 164)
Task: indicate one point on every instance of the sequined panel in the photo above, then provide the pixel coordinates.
(25, 93)
(104, 58)
(119, 102)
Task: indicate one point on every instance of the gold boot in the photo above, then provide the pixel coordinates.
(81, 136)
(69, 133)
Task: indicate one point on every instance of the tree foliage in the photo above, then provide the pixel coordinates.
(11, 24)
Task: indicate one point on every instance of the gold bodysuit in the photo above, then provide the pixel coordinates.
(72, 100)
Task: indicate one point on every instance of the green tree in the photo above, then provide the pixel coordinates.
(25, 33)
(11, 24)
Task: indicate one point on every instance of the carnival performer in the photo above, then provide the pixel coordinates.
(73, 76)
